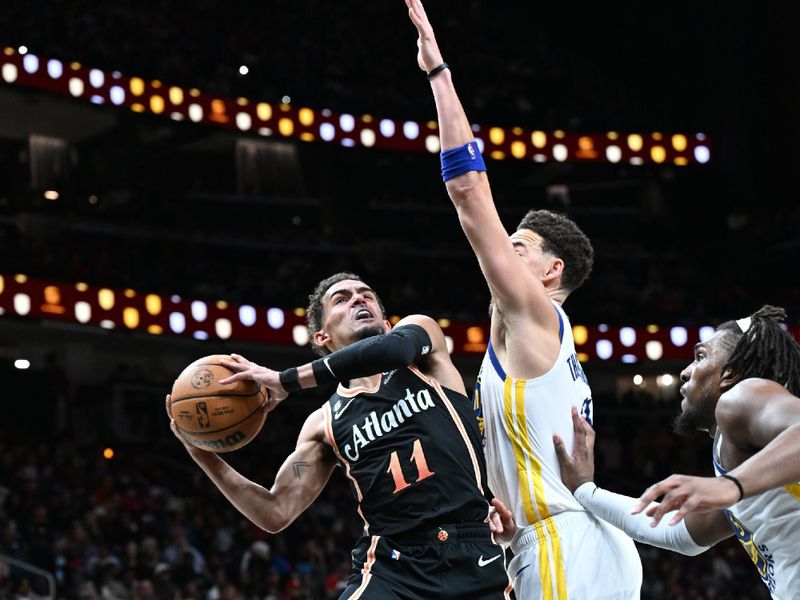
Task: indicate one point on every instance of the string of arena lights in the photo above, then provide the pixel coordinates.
(20, 67)
(80, 303)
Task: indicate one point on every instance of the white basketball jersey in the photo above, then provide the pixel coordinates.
(767, 526)
(518, 418)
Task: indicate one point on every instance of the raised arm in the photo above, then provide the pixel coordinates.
(755, 413)
(414, 339)
(513, 286)
(299, 481)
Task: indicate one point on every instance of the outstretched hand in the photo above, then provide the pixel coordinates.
(686, 494)
(247, 370)
(577, 468)
(501, 522)
(429, 57)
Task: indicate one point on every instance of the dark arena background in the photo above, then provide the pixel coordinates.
(175, 178)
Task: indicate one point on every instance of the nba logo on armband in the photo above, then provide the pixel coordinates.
(426, 349)
(471, 151)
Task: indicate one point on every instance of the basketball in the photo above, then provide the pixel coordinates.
(215, 417)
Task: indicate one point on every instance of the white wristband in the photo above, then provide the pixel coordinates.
(615, 509)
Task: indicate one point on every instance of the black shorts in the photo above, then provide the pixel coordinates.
(449, 562)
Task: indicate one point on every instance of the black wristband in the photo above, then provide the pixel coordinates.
(289, 380)
(737, 482)
(436, 70)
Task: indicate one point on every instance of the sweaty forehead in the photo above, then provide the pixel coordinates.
(526, 236)
(716, 343)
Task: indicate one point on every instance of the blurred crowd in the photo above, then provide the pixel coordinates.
(146, 524)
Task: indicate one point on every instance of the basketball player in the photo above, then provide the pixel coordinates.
(530, 375)
(403, 430)
(742, 389)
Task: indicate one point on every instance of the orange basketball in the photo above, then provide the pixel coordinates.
(217, 417)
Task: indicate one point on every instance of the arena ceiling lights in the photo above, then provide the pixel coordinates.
(311, 125)
(130, 310)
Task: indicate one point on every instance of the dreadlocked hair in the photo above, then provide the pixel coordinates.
(766, 350)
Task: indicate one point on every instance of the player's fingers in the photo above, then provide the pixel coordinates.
(658, 511)
(588, 432)
(561, 451)
(495, 524)
(235, 377)
(650, 494)
(505, 516)
(577, 427)
(673, 500)
(415, 18)
(234, 365)
(679, 515)
(243, 361)
(420, 8)
(500, 507)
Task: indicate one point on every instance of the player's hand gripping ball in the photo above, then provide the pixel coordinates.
(215, 417)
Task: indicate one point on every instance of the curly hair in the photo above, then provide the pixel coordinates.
(766, 350)
(314, 311)
(562, 237)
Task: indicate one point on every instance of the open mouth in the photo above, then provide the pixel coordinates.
(362, 314)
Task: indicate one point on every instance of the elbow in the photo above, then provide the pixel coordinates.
(273, 522)
(273, 525)
(465, 189)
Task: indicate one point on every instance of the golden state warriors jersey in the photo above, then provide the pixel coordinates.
(518, 418)
(767, 526)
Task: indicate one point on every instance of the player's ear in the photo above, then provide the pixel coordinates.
(555, 269)
(321, 338)
(726, 381)
(387, 326)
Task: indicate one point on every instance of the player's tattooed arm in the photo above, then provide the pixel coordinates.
(298, 467)
(299, 481)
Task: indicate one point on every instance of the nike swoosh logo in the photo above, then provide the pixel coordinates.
(483, 563)
(327, 362)
(339, 412)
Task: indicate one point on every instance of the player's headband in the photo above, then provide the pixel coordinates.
(744, 324)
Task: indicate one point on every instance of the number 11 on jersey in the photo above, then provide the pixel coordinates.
(417, 457)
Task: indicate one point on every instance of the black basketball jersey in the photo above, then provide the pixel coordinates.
(411, 451)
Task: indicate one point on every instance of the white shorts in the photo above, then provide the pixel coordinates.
(574, 555)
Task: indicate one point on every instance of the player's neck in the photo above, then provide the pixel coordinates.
(557, 294)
